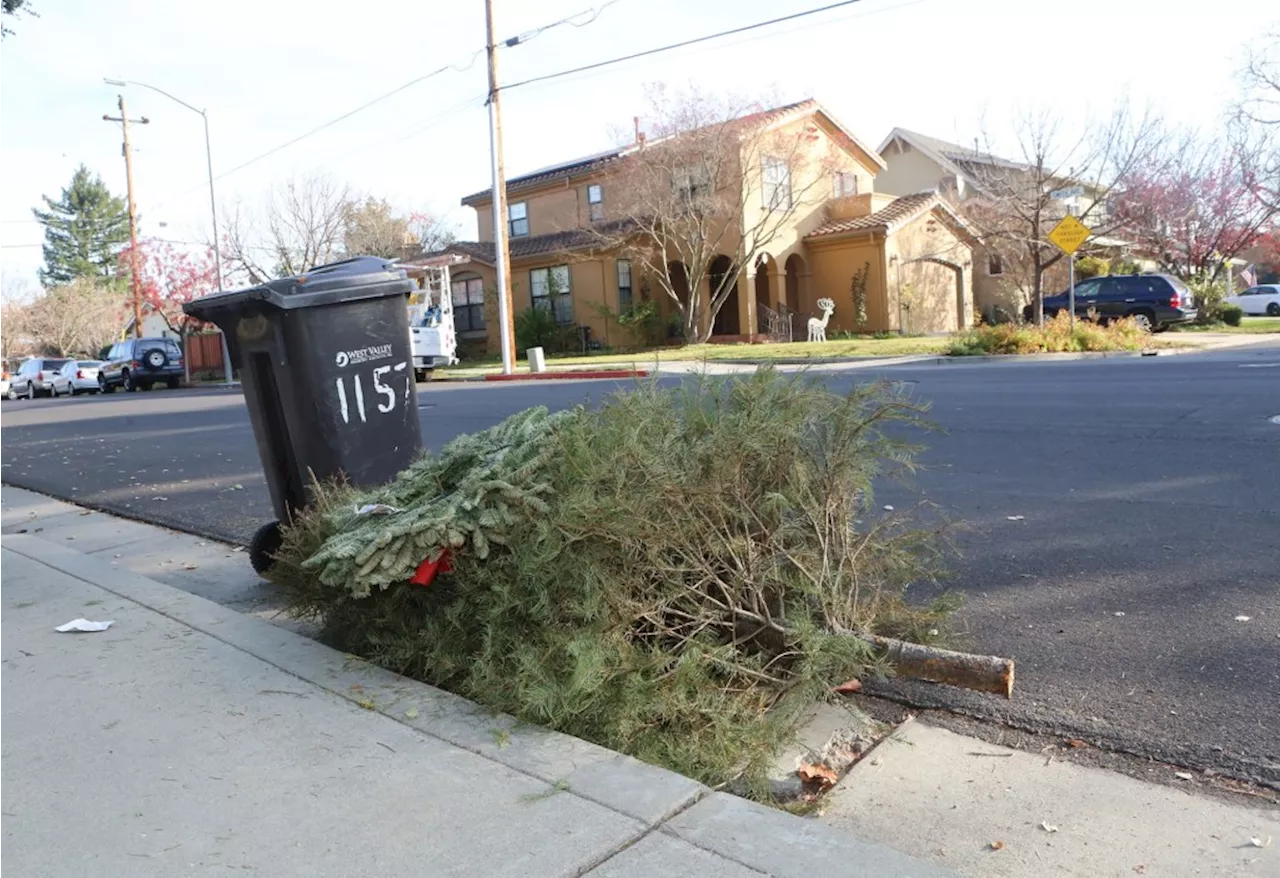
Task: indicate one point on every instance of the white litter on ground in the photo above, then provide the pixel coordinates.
(84, 625)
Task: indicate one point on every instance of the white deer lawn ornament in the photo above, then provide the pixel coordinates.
(818, 328)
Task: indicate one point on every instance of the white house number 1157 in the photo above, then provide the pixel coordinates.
(383, 394)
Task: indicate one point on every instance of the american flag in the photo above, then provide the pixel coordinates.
(1248, 277)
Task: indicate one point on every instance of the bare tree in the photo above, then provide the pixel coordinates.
(71, 319)
(1014, 208)
(16, 339)
(301, 225)
(1257, 128)
(374, 228)
(715, 177)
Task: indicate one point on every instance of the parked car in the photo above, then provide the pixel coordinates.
(34, 377)
(1262, 299)
(77, 376)
(140, 363)
(1154, 301)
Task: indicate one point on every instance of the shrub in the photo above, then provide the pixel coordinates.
(537, 327)
(1092, 266)
(1231, 314)
(672, 575)
(1056, 336)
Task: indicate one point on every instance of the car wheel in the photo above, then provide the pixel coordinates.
(31, 390)
(103, 386)
(1273, 309)
(12, 395)
(1142, 320)
(129, 384)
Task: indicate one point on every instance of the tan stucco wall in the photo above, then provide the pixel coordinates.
(555, 208)
(832, 265)
(935, 304)
(910, 171)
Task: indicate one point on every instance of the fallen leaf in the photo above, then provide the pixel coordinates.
(888, 509)
(1076, 744)
(1242, 618)
(1047, 827)
(1118, 613)
(1016, 517)
(1140, 869)
(996, 845)
(1183, 775)
(159, 498)
(817, 773)
(849, 687)
(190, 567)
(411, 713)
(237, 487)
(1259, 843)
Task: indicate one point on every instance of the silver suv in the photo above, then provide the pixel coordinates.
(35, 377)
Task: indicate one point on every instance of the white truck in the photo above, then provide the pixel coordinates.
(431, 329)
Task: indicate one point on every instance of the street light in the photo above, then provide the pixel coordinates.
(213, 203)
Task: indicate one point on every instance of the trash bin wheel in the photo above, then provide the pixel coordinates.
(263, 547)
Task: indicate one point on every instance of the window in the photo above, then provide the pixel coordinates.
(595, 202)
(517, 219)
(468, 304)
(995, 265)
(845, 184)
(624, 286)
(550, 289)
(692, 182)
(776, 174)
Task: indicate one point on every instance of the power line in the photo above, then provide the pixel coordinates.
(520, 39)
(715, 36)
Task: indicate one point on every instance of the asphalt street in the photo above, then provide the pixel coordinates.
(1122, 542)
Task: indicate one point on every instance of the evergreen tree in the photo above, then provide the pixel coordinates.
(84, 231)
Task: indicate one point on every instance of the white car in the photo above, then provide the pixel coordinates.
(78, 376)
(1262, 299)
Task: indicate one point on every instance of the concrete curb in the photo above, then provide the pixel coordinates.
(673, 809)
(570, 375)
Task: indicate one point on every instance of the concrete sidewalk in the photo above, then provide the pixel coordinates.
(190, 738)
(986, 810)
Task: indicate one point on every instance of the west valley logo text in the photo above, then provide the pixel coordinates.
(363, 355)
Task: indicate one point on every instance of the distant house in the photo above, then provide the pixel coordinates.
(916, 162)
(911, 255)
(157, 322)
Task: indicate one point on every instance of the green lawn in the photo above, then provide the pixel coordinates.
(1248, 326)
(857, 347)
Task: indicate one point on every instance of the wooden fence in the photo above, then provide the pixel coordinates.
(204, 353)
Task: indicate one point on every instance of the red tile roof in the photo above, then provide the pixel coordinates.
(897, 213)
(541, 245)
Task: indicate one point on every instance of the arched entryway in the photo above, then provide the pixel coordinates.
(678, 273)
(959, 303)
(766, 270)
(721, 275)
(797, 277)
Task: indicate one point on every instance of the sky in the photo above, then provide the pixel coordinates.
(267, 71)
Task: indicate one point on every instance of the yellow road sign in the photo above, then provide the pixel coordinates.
(1069, 234)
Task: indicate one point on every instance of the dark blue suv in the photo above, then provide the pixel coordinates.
(1154, 301)
(140, 363)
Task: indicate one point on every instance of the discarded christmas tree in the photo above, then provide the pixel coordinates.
(674, 575)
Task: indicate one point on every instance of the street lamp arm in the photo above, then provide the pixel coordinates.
(153, 88)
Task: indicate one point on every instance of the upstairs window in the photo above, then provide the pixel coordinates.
(595, 202)
(517, 219)
(691, 183)
(844, 185)
(776, 175)
(995, 265)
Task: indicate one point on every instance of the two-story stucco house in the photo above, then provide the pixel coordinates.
(912, 253)
(916, 162)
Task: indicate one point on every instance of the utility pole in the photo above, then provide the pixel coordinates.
(502, 252)
(134, 264)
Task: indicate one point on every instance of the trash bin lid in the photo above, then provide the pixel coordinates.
(361, 277)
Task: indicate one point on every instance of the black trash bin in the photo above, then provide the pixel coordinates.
(327, 370)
